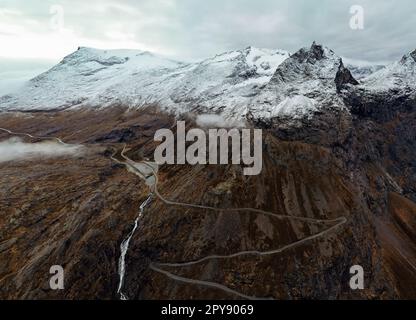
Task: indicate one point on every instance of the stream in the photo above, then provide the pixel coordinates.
(124, 247)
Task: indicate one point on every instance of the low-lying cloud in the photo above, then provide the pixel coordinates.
(17, 149)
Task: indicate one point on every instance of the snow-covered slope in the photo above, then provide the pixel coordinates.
(309, 80)
(251, 82)
(363, 71)
(134, 78)
(399, 76)
(83, 76)
(228, 80)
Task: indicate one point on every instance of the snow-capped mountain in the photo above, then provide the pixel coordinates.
(259, 83)
(399, 76)
(134, 78)
(229, 80)
(363, 71)
(309, 80)
(86, 75)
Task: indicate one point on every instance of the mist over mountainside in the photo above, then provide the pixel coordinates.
(360, 72)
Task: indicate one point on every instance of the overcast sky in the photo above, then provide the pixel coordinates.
(35, 34)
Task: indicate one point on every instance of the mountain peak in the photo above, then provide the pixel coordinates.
(315, 53)
(316, 62)
(400, 76)
(413, 54)
(249, 48)
(317, 50)
(344, 77)
(309, 78)
(409, 58)
(110, 52)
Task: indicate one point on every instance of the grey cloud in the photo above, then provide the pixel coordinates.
(16, 149)
(196, 29)
(15, 72)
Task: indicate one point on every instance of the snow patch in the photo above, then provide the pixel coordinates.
(295, 107)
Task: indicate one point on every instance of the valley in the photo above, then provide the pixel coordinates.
(222, 227)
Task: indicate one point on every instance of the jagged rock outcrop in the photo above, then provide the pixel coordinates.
(344, 77)
(304, 85)
(387, 92)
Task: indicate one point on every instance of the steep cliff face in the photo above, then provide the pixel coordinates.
(298, 179)
(338, 164)
(304, 87)
(72, 212)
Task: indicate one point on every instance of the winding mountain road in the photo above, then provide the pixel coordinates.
(32, 137)
(157, 266)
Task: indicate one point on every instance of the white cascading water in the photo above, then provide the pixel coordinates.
(125, 246)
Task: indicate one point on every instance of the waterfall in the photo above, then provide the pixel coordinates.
(125, 246)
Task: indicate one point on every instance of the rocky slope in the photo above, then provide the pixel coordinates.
(365, 174)
(302, 85)
(400, 75)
